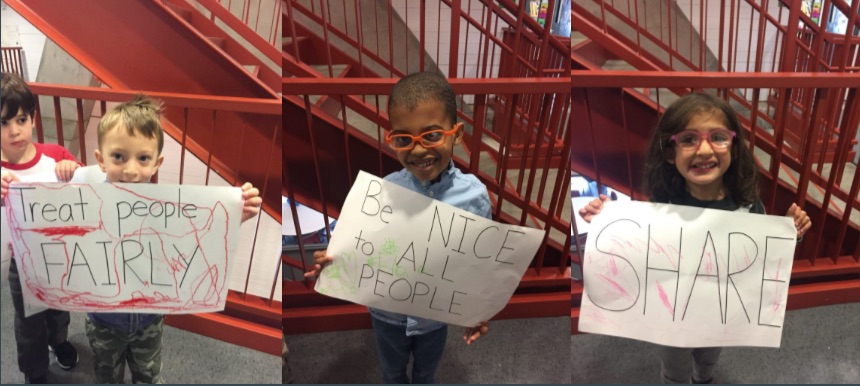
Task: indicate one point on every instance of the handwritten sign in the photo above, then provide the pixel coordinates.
(400, 251)
(687, 277)
(124, 247)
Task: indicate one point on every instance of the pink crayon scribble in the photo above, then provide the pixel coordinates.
(65, 231)
(615, 285)
(776, 287)
(708, 266)
(665, 299)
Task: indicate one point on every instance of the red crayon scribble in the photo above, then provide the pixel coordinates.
(205, 286)
(65, 231)
(665, 299)
(615, 285)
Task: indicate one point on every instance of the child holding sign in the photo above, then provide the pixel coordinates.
(698, 157)
(130, 140)
(423, 114)
(24, 160)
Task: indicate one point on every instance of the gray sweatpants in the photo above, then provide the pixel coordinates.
(682, 365)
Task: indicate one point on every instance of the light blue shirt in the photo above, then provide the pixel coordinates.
(463, 191)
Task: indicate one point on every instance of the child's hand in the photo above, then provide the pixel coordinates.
(66, 169)
(7, 179)
(252, 201)
(320, 259)
(801, 220)
(473, 333)
(593, 208)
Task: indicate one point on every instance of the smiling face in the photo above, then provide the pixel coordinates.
(17, 134)
(128, 158)
(426, 164)
(703, 167)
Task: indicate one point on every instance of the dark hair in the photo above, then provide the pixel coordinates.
(14, 96)
(423, 86)
(663, 180)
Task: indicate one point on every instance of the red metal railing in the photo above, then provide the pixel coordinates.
(731, 36)
(262, 16)
(245, 312)
(750, 36)
(389, 39)
(13, 60)
(828, 261)
(325, 154)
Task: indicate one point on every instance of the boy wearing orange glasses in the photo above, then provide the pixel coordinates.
(422, 109)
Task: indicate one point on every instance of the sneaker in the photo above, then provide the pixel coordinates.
(67, 356)
(38, 380)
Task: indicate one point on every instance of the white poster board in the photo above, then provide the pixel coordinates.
(124, 247)
(687, 277)
(400, 251)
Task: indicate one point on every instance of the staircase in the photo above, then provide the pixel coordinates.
(169, 48)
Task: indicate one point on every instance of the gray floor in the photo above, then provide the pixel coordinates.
(515, 351)
(186, 357)
(819, 345)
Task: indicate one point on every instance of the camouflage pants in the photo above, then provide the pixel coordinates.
(111, 349)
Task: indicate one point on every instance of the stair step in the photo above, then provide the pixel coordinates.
(180, 10)
(220, 42)
(337, 70)
(253, 69)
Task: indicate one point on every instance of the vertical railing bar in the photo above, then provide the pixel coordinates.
(594, 140)
(466, 42)
(378, 135)
(346, 142)
(315, 154)
(40, 135)
(422, 38)
(477, 132)
(729, 42)
(58, 116)
(407, 33)
(703, 35)
(323, 4)
(390, 42)
(359, 31)
(749, 38)
(627, 152)
(438, 33)
(502, 168)
(720, 35)
(292, 197)
(184, 138)
(79, 106)
(454, 48)
(211, 145)
(482, 61)
(265, 188)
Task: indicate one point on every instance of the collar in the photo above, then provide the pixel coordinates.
(446, 174)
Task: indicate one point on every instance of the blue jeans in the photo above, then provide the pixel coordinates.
(394, 348)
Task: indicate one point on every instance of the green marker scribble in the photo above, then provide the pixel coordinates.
(389, 247)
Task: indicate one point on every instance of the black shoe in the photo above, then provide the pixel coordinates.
(67, 356)
(38, 380)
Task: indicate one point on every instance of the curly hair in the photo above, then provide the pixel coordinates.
(663, 180)
(419, 87)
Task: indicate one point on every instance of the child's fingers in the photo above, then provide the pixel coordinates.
(473, 333)
(320, 257)
(313, 273)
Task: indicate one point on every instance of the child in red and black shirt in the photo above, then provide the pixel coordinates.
(23, 160)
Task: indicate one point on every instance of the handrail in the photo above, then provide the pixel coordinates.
(212, 102)
(382, 86)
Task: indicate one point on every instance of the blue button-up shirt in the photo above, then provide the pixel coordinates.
(463, 191)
